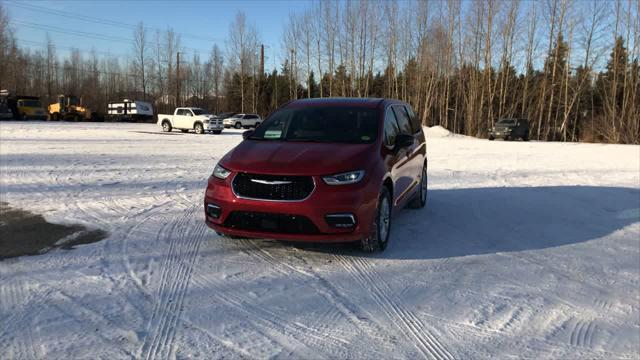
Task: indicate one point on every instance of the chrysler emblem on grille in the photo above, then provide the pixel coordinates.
(267, 182)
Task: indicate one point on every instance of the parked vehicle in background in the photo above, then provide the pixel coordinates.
(322, 170)
(130, 110)
(69, 107)
(30, 108)
(510, 129)
(246, 121)
(21, 107)
(190, 118)
(6, 113)
(224, 115)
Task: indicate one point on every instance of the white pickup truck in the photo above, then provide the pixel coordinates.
(191, 118)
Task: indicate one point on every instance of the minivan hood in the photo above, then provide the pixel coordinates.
(296, 158)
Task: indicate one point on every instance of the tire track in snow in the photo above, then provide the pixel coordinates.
(184, 243)
(13, 298)
(327, 290)
(408, 323)
(582, 333)
(269, 324)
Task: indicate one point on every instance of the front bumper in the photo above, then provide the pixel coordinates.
(356, 199)
(214, 127)
(500, 134)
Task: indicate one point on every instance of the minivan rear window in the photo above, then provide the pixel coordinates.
(322, 123)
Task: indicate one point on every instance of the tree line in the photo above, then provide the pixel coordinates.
(570, 67)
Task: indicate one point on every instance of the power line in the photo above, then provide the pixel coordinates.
(70, 48)
(96, 36)
(102, 21)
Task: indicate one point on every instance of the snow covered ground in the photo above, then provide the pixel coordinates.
(527, 250)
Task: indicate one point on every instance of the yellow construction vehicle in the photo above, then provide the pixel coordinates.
(69, 107)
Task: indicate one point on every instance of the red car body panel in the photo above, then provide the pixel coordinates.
(402, 168)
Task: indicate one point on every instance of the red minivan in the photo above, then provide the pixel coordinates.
(322, 170)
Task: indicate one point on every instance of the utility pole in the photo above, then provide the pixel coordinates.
(261, 61)
(178, 80)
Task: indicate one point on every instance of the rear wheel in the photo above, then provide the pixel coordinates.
(198, 128)
(166, 126)
(421, 198)
(238, 125)
(381, 227)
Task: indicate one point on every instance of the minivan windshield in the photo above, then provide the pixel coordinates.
(322, 123)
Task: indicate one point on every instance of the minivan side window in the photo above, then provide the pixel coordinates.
(403, 119)
(391, 129)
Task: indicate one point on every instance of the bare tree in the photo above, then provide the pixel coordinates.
(140, 51)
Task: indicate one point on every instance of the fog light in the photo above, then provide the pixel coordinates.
(343, 221)
(214, 211)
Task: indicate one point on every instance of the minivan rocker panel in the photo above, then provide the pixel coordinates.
(321, 170)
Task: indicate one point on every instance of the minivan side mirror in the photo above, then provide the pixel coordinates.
(247, 134)
(403, 141)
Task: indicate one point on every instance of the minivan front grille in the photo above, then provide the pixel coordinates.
(272, 187)
(270, 222)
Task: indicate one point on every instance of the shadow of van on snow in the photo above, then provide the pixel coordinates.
(461, 222)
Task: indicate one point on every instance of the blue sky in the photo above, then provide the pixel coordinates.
(201, 23)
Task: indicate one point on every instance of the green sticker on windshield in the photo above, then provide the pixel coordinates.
(365, 138)
(272, 134)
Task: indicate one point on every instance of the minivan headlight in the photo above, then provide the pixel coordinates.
(346, 178)
(220, 172)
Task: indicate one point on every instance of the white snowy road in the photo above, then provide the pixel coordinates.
(526, 250)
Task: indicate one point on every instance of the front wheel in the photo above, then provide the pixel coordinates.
(199, 129)
(238, 125)
(381, 227)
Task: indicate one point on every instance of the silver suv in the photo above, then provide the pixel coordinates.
(243, 121)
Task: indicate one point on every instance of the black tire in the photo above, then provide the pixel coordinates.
(378, 239)
(421, 197)
(198, 128)
(184, 130)
(491, 138)
(166, 126)
(217, 132)
(526, 136)
(238, 125)
(24, 117)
